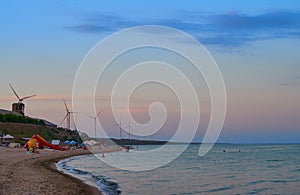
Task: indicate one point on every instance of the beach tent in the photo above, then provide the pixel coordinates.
(91, 142)
(7, 136)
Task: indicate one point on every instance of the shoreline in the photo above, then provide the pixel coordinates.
(30, 173)
(52, 165)
(92, 181)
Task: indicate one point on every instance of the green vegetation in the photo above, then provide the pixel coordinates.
(21, 130)
(19, 119)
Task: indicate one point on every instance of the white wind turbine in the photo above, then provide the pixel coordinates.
(94, 118)
(68, 116)
(120, 126)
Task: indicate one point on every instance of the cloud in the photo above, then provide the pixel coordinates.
(240, 28)
(230, 29)
(101, 23)
(270, 20)
(89, 28)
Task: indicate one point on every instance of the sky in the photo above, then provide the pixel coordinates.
(255, 43)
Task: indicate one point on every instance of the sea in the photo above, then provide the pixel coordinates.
(225, 169)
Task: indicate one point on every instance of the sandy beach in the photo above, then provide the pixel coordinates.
(30, 173)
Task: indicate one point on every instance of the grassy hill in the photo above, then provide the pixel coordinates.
(21, 130)
(12, 117)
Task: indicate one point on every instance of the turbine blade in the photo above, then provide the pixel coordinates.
(74, 112)
(90, 116)
(14, 92)
(129, 124)
(99, 113)
(66, 105)
(64, 119)
(27, 97)
(116, 125)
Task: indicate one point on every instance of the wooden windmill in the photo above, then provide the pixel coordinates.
(19, 107)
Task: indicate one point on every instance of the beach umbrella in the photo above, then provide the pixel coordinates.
(73, 142)
(67, 142)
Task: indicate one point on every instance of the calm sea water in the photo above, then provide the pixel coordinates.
(256, 169)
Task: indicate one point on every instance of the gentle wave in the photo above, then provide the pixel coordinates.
(105, 186)
(220, 189)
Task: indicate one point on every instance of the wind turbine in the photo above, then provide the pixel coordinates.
(95, 117)
(19, 107)
(129, 128)
(120, 126)
(68, 116)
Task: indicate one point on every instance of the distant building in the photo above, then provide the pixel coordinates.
(55, 142)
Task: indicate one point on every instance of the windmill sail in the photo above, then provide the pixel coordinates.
(19, 107)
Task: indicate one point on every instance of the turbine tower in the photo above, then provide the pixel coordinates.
(19, 107)
(94, 118)
(120, 126)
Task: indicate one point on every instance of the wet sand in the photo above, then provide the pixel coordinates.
(23, 173)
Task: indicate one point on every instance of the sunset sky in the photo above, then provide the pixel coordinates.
(255, 43)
